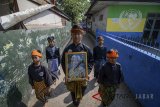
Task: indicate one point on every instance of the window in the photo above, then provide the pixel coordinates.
(146, 34)
(152, 28)
(157, 24)
(149, 24)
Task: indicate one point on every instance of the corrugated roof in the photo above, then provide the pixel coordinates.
(8, 20)
(107, 2)
(54, 9)
(5, 9)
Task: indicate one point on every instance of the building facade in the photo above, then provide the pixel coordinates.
(131, 19)
(133, 28)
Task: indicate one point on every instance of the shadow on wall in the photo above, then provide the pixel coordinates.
(14, 97)
(15, 50)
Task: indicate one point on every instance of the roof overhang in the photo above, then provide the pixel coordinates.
(98, 5)
(54, 9)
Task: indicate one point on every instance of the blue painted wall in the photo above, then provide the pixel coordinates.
(141, 72)
(127, 34)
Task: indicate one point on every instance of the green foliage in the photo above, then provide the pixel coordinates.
(74, 8)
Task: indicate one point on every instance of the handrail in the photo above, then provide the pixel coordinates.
(150, 50)
(135, 42)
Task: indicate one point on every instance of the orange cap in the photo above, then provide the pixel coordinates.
(112, 54)
(36, 53)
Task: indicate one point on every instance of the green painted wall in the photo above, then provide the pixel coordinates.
(129, 18)
(115, 10)
(15, 50)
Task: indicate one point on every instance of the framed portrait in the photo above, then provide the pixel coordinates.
(76, 66)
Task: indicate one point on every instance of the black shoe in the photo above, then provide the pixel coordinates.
(76, 103)
(44, 101)
(104, 105)
(50, 93)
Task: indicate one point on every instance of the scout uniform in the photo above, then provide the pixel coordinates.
(99, 55)
(109, 78)
(53, 59)
(39, 79)
(77, 88)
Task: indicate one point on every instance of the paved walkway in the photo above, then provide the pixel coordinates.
(62, 98)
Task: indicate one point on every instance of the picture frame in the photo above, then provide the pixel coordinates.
(76, 66)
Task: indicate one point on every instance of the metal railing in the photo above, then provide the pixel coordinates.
(148, 49)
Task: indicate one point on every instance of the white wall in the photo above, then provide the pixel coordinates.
(45, 19)
(100, 24)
